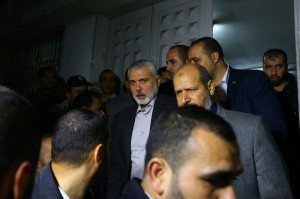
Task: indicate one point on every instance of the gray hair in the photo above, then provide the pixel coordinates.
(143, 63)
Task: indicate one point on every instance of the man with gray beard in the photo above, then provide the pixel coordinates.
(131, 127)
(265, 174)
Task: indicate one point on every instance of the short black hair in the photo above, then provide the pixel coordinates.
(106, 71)
(183, 51)
(20, 132)
(171, 132)
(210, 45)
(85, 99)
(161, 70)
(274, 52)
(76, 134)
(42, 71)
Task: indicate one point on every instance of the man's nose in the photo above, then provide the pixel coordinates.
(273, 71)
(169, 66)
(186, 98)
(138, 86)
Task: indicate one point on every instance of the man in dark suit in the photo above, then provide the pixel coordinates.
(175, 59)
(131, 127)
(79, 152)
(275, 64)
(240, 90)
(265, 173)
(191, 153)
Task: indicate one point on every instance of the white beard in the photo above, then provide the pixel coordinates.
(148, 98)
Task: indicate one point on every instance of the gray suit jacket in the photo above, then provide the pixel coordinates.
(264, 171)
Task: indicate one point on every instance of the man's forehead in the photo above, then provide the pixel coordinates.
(143, 72)
(274, 57)
(173, 52)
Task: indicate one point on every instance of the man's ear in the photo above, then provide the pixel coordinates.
(98, 154)
(211, 87)
(158, 170)
(215, 57)
(21, 179)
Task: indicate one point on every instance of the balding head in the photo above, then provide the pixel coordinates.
(193, 85)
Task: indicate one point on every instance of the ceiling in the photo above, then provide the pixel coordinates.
(244, 29)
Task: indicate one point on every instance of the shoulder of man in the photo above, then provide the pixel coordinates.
(45, 185)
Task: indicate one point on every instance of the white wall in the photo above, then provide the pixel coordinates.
(297, 39)
(100, 47)
(77, 49)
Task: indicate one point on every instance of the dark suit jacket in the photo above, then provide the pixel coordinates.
(120, 162)
(250, 91)
(264, 171)
(133, 190)
(46, 185)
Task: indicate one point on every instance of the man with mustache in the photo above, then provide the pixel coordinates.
(275, 65)
(131, 127)
(264, 174)
(191, 153)
(175, 59)
(246, 91)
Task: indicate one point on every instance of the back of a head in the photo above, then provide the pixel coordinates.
(170, 134)
(161, 70)
(76, 135)
(19, 133)
(85, 99)
(210, 45)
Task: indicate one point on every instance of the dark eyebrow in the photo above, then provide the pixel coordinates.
(220, 176)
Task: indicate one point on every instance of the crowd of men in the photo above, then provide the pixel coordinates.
(196, 128)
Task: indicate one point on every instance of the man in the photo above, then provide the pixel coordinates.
(285, 85)
(191, 153)
(108, 85)
(163, 76)
(122, 101)
(48, 94)
(130, 128)
(89, 99)
(276, 68)
(75, 85)
(239, 90)
(78, 152)
(264, 174)
(19, 145)
(175, 59)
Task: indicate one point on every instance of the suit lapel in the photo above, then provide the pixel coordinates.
(232, 86)
(159, 107)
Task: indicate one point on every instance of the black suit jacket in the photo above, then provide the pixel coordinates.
(133, 190)
(250, 91)
(120, 150)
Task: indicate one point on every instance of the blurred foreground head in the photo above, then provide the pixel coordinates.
(19, 145)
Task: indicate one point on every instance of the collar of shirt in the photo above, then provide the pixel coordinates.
(64, 195)
(148, 195)
(147, 109)
(224, 82)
